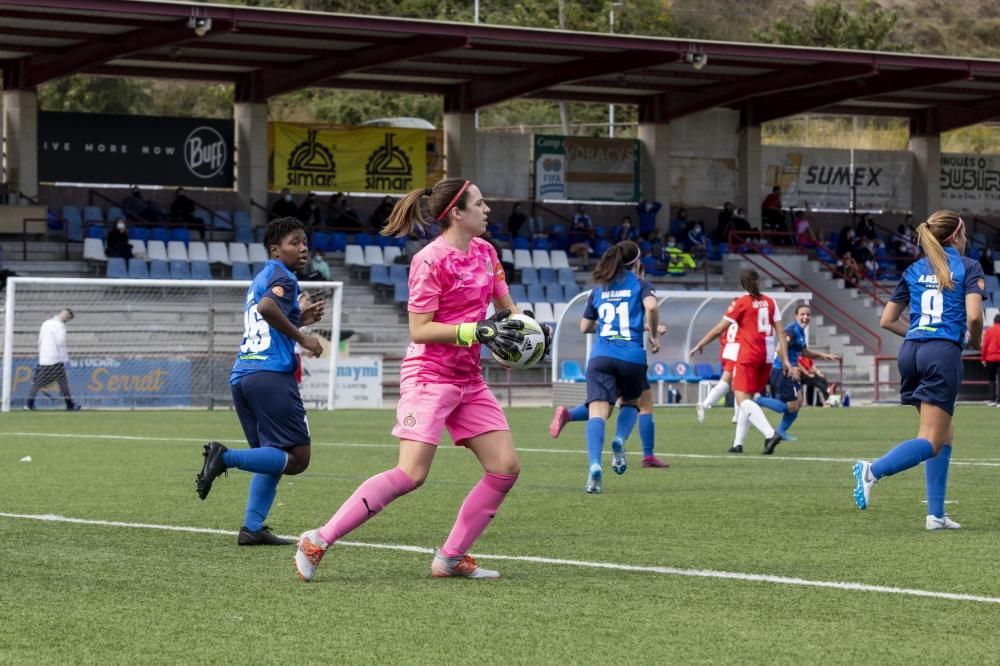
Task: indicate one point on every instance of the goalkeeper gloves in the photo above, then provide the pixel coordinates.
(546, 330)
(499, 333)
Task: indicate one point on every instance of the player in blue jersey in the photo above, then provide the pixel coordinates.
(618, 311)
(944, 293)
(786, 391)
(265, 393)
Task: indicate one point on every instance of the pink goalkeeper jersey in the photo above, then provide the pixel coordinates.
(457, 287)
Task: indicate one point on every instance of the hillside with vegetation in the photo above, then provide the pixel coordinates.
(942, 27)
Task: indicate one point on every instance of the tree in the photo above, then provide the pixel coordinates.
(95, 94)
(830, 25)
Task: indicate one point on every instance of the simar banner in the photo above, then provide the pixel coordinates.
(379, 160)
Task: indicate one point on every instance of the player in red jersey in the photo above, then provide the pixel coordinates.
(729, 351)
(757, 317)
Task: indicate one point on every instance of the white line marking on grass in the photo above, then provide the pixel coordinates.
(972, 462)
(666, 571)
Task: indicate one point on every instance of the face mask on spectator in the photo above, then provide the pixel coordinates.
(288, 197)
(120, 226)
(649, 206)
(671, 243)
(697, 228)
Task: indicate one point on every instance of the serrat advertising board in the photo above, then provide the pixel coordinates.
(135, 150)
(377, 160)
(112, 382)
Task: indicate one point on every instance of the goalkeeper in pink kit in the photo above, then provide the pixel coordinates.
(452, 281)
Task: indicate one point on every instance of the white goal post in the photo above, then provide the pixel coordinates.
(142, 343)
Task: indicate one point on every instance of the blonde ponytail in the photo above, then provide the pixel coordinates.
(934, 235)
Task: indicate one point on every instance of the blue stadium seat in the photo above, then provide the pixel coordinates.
(74, 223)
(159, 269)
(160, 234)
(180, 234)
(522, 243)
(992, 284)
(320, 240)
(117, 268)
(601, 232)
(258, 234)
(547, 276)
(553, 293)
(244, 234)
(601, 246)
(242, 217)
(114, 212)
(566, 276)
(138, 233)
(570, 372)
(571, 290)
(338, 241)
(399, 273)
(379, 275)
(518, 293)
(536, 293)
(529, 276)
(200, 270)
(138, 269)
(684, 372)
(706, 371)
(93, 214)
(401, 293)
(180, 270)
(95, 231)
(661, 372)
(221, 219)
(540, 243)
(363, 239)
(258, 266)
(203, 216)
(241, 271)
(384, 241)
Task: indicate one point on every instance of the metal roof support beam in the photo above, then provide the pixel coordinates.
(39, 69)
(771, 107)
(947, 117)
(677, 105)
(271, 82)
(476, 94)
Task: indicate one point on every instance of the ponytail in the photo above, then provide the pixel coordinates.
(750, 280)
(427, 206)
(617, 258)
(934, 235)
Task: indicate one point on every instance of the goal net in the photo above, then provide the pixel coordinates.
(141, 343)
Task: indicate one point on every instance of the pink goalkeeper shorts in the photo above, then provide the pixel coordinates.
(466, 411)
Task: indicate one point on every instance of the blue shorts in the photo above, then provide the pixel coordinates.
(930, 371)
(609, 379)
(271, 410)
(783, 387)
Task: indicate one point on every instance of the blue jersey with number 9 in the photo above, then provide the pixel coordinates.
(620, 318)
(263, 348)
(939, 314)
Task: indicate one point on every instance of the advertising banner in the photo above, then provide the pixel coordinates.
(589, 169)
(377, 159)
(359, 382)
(970, 182)
(135, 150)
(111, 382)
(827, 178)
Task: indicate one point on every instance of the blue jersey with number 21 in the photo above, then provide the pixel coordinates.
(937, 314)
(263, 348)
(620, 318)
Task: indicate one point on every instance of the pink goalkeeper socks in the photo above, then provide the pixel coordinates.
(477, 511)
(371, 497)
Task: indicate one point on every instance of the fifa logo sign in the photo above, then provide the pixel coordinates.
(205, 152)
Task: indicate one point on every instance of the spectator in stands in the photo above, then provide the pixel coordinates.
(987, 260)
(625, 232)
(903, 248)
(865, 228)
(804, 235)
(582, 223)
(647, 212)
(284, 206)
(181, 208)
(696, 243)
(990, 356)
(316, 269)
(741, 229)
(849, 270)
(516, 220)
(138, 208)
(309, 213)
(677, 260)
(679, 223)
(771, 215)
(845, 241)
(415, 242)
(580, 234)
(52, 360)
(381, 214)
(535, 226)
(340, 214)
(117, 244)
(725, 220)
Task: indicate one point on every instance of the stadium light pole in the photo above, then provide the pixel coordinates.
(475, 19)
(611, 107)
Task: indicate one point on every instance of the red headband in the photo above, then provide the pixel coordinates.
(958, 228)
(452, 202)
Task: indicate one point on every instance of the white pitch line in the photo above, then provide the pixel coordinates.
(972, 462)
(666, 571)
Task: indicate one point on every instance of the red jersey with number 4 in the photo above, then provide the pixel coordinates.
(757, 320)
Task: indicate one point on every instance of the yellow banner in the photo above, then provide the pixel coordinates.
(377, 159)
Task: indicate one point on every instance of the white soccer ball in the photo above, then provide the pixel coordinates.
(833, 400)
(530, 351)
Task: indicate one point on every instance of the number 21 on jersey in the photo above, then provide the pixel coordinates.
(614, 321)
(256, 332)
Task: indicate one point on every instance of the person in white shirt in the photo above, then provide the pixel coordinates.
(52, 360)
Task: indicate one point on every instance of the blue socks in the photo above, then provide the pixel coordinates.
(787, 419)
(905, 455)
(773, 404)
(936, 472)
(262, 490)
(595, 440)
(262, 460)
(626, 422)
(579, 413)
(647, 431)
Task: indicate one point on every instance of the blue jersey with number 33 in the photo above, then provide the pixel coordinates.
(620, 318)
(263, 348)
(937, 314)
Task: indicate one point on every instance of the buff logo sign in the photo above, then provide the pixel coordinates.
(144, 150)
(205, 152)
(388, 168)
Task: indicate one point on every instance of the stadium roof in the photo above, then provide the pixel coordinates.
(267, 52)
